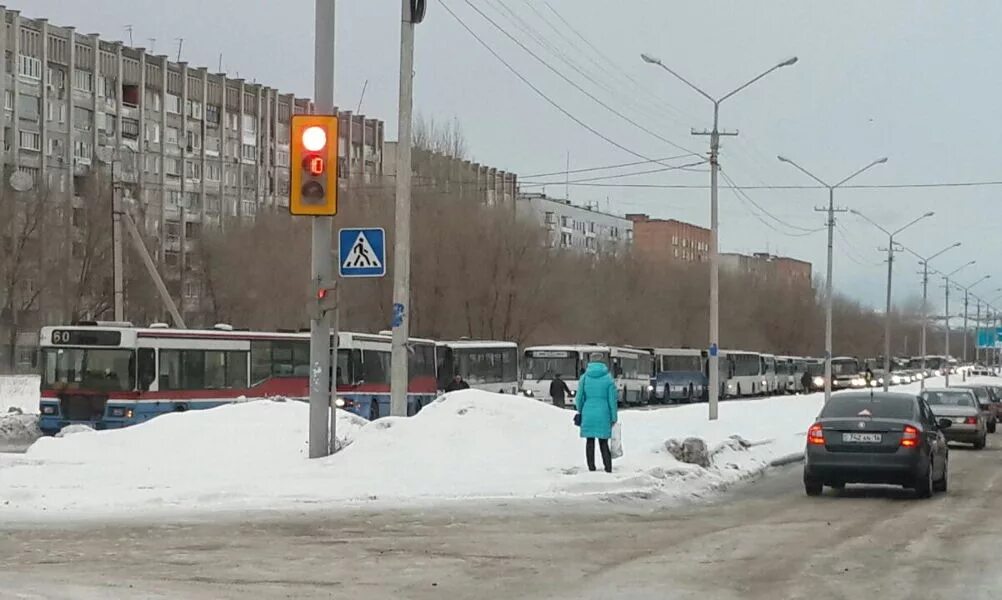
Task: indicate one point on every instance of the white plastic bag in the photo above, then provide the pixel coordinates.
(616, 442)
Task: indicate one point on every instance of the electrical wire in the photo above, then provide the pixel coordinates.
(744, 196)
(801, 187)
(685, 167)
(849, 251)
(604, 168)
(558, 73)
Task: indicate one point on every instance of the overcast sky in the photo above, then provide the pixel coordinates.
(914, 81)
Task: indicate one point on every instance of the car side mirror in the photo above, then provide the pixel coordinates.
(945, 423)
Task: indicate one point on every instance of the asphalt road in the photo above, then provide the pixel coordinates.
(764, 541)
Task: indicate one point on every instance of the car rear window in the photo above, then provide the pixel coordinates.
(880, 407)
(948, 398)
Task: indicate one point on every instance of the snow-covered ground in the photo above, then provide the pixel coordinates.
(468, 445)
(19, 391)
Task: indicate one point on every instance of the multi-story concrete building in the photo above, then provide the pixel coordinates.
(446, 172)
(669, 240)
(576, 227)
(193, 148)
(781, 269)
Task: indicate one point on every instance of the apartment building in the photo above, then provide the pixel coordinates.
(669, 240)
(581, 228)
(429, 168)
(780, 269)
(191, 148)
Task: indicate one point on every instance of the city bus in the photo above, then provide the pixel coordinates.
(110, 375)
(743, 373)
(680, 375)
(488, 366)
(846, 373)
(631, 368)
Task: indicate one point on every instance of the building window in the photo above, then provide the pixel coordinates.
(172, 166)
(591, 227)
(250, 127)
(590, 243)
(212, 145)
(82, 149)
(30, 141)
(192, 201)
(172, 258)
(171, 135)
(83, 119)
(565, 240)
(56, 112)
(153, 100)
(173, 200)
(191, 289)
(194, 141)
(191, 230)
(8, 99)
(233, 121)
(83, 80)
(55, 147)
(249, 152)
(565, 221)
(212, 113)
(173, 104)
(195, 109)
(212, 172)
(130, 95)
(549, 218)
(192, 169)
(153, 165)
(282, 160)
(152, 133)
(29, 67)
(130, 129)
(57, 78)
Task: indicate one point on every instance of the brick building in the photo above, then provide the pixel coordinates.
(790, 271)
(670, 240)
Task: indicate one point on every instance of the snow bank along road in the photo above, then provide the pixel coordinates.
(763, 541)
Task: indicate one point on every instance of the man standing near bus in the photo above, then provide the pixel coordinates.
(457, 384)
(559, 391)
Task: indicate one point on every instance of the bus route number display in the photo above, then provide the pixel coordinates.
(77, 337)
(550, 354)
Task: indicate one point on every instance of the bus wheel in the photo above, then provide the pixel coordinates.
(180, 407)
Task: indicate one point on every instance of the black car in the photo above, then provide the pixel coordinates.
(877, 437)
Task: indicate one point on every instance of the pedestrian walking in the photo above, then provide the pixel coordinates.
(559, 391)
(597, 403)
(457, 384)
(805, 382)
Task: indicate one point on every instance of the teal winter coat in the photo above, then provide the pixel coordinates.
(598, 401)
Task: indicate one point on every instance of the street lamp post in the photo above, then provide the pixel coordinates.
(890, 265)
(831, 246)
(947, 316)
(925, 299)
(714, 345)
(967, 293)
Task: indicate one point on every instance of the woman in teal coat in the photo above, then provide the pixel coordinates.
(597, 402)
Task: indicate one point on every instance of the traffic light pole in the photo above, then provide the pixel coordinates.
(321, 335)
(402, 230)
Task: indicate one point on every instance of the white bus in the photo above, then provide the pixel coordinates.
(488, 366)
(770, 374)
(632, 369)
(743, 373)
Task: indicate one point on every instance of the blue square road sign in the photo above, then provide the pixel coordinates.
(362, 252)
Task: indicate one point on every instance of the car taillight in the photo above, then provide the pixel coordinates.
(815, 435)
(971, 421)
(909, 437)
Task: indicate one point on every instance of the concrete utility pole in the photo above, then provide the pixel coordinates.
(946, 320)
(890, 270)
(967, 292)
(713, 365)
(321, 336)
(831, 245)
(411, 13)
(925, 299)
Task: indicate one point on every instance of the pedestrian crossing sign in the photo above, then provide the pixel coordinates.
(362, 252)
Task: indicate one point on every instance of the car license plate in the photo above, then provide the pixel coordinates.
(868, 438)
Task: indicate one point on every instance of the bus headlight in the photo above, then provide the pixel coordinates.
(819, 381)
(527, 393)
(650, 388)
(120, 412)
(49, 409)
(339, 402)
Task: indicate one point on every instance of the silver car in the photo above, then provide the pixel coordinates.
(961, 407)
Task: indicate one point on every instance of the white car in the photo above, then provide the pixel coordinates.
(980, 371)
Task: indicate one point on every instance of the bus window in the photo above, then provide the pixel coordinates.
(420, 360)
(375, 367)
(236, 370)
(260, 361)
(147, 368)
(215, 369)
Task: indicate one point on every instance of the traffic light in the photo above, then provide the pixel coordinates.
(314, 158)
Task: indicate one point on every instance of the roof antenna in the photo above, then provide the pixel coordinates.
(129, 29)
(360, 98)
(180, 44)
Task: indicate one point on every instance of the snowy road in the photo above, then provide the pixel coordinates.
(764, 541)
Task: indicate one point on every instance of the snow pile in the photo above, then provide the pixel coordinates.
(466, 445)
(17, 432)
(19, 391)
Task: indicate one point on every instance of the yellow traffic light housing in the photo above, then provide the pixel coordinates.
(313, 165)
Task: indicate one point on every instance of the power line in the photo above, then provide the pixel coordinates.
(740, 192)
(670, 186)
(747, 200)
(604, 168)
(685, 167)
(557, 72)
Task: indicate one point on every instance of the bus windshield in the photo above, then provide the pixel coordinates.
(671, 364)
(89, 369)
(486, 365)
(844, 367)
(540, 368)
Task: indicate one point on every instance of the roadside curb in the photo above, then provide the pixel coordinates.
(789, 459)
